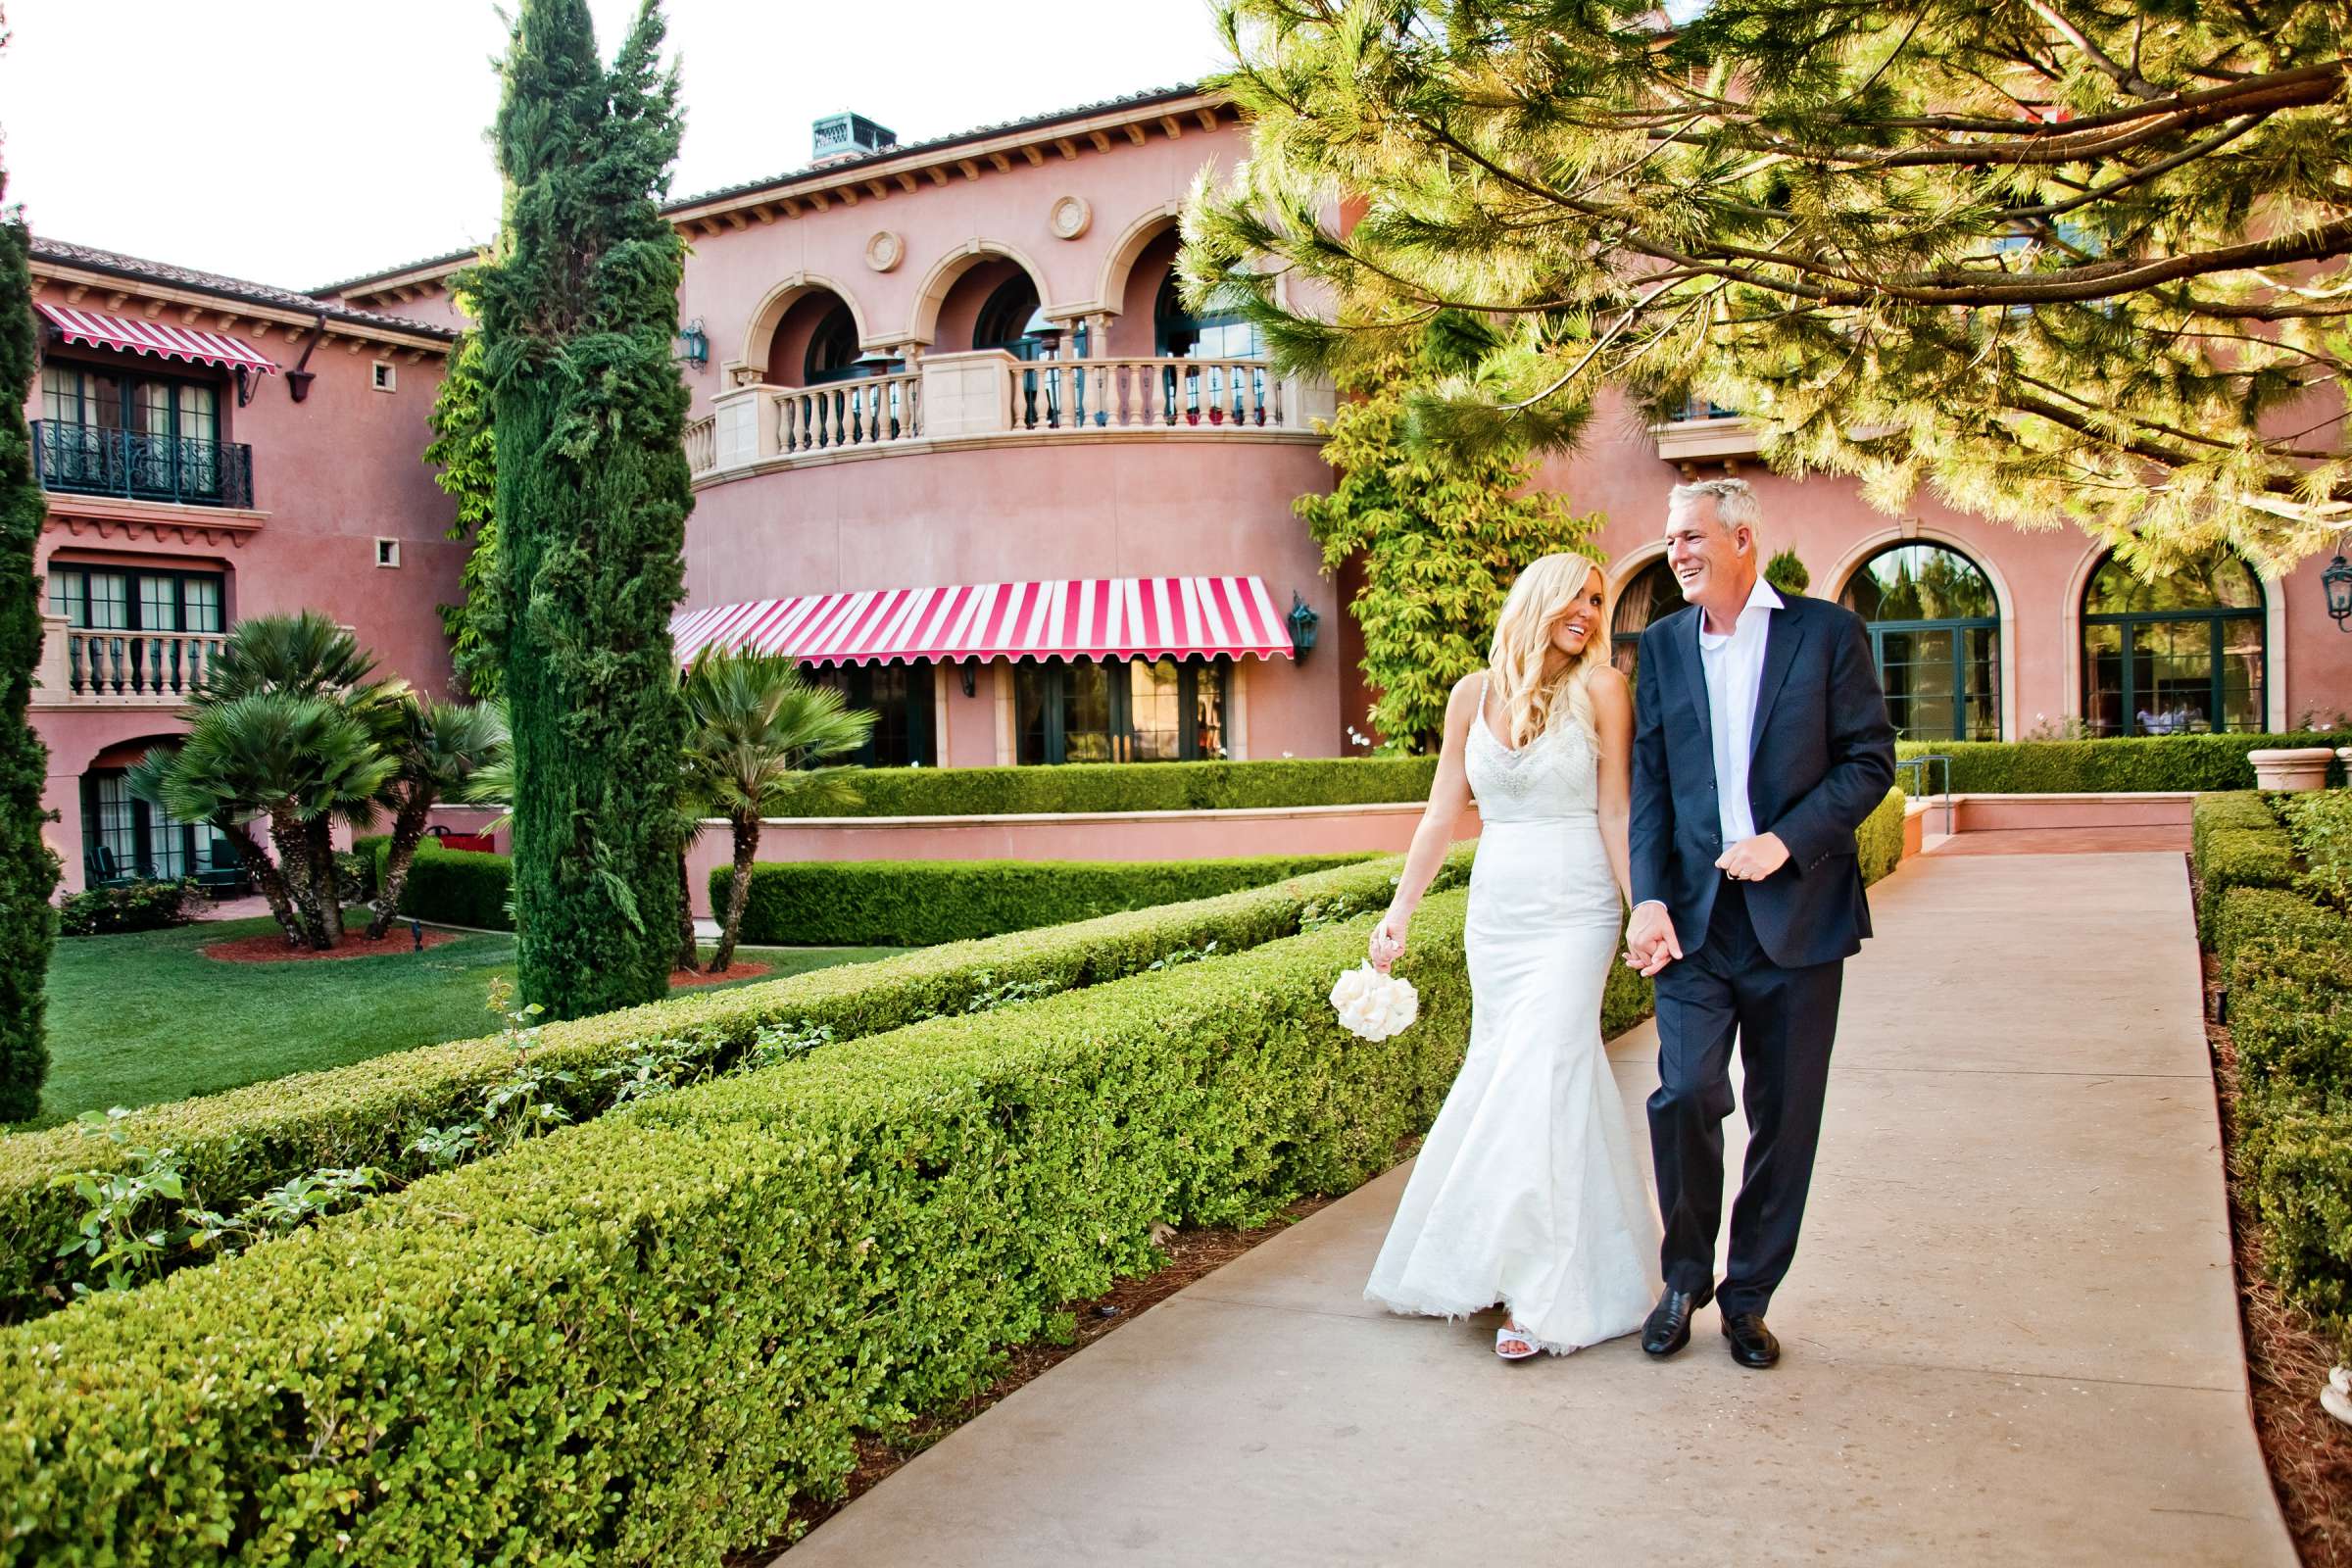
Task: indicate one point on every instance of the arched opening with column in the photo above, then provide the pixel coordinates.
(2187, 653)
(807, 331)
(1934, 625)
(949, 305)
(1644, 594)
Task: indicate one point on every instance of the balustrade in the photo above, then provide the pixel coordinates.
(702, 444)
(1130, 394)
(162, 667)
(865, 411)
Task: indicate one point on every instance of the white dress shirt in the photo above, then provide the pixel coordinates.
(1734, 669)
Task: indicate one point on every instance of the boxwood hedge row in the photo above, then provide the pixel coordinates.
(456, 887)
(237, 1145)
(649, 1338)
(2139, 762)
(1277, 782)
(2286, 960)
(915, 904)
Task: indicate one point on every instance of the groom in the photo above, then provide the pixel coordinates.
(1760, 743)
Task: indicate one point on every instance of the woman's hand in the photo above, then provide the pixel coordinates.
(1387, 938)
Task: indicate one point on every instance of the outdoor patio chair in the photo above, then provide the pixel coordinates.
(102, 870)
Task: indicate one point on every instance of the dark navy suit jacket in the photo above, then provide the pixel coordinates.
(1822, 759)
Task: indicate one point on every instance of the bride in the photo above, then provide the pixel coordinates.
(1527, 1191)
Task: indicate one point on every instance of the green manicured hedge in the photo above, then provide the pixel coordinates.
(2288, 964)
(1880, 839)
(456, 887)
(1136, 787)
(654, 1337)
(2238, 842)
(2066, 767)
(239, 1144)
(918, 904)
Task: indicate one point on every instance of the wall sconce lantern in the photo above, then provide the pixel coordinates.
(2337, 581)
(694, 344)
(971, 668)
(1303, 622)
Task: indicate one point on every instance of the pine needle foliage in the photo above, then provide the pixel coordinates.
(578, 304)
(1441, 529)
(2054, 259)
(27, 868)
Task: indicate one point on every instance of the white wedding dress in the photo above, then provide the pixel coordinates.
(1527, 1191)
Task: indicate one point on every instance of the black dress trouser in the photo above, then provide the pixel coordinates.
(1786, 1020)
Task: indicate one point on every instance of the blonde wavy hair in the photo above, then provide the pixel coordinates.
(1545, 590)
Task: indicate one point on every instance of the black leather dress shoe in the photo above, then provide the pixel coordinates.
(1667, 1329)
(1753, 1344)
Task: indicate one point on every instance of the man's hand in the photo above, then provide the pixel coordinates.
(1753, 859)
(1649, 940)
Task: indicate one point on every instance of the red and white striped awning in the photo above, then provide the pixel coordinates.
(165, 338)
(1082, 617)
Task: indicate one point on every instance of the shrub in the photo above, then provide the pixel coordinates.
(921, 902)
(1290, 781)
(2293, 1027)
(1880, 839)
(2232, 809)
(2320, 824)
(2072, 766)
(2299, 1161)
(2236, 842)
(580, 1348)
(238, 1143)
(456, 887)
(133, 907)
(2265, 927)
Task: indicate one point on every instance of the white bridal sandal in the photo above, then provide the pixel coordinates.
(1511, 1334)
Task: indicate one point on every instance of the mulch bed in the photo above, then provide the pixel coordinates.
(681, 978)
(2308, 1450)
(270, 947)
(1191, 1255)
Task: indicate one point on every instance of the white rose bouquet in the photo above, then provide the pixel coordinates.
(1373, 1006)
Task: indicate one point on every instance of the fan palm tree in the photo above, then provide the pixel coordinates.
(439, 748)
(304, 654)
(301, 763)
(755, 733)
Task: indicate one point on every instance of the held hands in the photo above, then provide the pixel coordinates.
(1649, 940)
(1753, 859)
(1387, 938)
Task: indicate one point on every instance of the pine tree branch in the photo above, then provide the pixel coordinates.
(2129, 79)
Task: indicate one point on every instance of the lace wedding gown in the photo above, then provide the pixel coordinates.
(1527, 1191)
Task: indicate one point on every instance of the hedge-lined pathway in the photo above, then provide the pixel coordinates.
(2012, 1334)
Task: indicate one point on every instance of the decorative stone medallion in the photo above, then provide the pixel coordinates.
(884, 251)
(1070, 218)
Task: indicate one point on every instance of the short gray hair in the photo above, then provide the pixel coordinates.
(1736, 503)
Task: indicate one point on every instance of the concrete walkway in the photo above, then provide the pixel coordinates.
(2011, 1335)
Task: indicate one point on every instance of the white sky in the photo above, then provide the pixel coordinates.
(298, 142)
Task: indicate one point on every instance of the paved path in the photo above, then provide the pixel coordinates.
(2012, 1334)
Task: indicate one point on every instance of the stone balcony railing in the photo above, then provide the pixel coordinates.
(92, 667)
(990, 397)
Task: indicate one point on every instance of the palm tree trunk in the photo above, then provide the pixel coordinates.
(688, 954)
(294, 862)
(408, 832)
(266, 876)
(739, 893)
(321, 837)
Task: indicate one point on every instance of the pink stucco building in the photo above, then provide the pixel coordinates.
(956, 442)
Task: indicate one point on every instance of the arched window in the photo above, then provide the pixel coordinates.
(1935, 632)
(2180, 654)
(1641, 604)
(1010, 319)
(833, 352)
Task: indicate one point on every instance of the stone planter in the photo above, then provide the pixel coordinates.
(2293, 767)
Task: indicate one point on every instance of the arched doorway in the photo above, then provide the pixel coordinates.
(815, 343)
(1648, 596)
(1935, 636)
(2181, 653)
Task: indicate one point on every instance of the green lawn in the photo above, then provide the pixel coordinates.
(137, 1019)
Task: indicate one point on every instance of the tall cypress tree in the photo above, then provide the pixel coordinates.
(579, 305)
(27, 870)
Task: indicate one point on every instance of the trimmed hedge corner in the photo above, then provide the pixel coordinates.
(2236, 842)
(239, 1144)
(918, 904)
(2139, 762)
(648, 1338)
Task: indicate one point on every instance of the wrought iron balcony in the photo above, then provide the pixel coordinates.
(88, 460)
